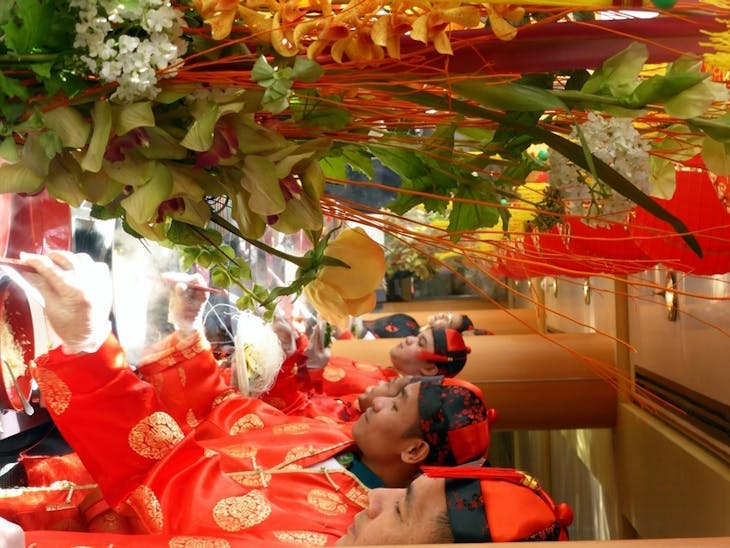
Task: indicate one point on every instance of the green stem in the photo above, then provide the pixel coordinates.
(301, 262)
(25, 59)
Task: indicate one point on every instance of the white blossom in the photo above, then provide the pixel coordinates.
(616, 142)
(152, 42)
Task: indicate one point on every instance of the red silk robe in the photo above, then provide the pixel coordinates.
(205, 461)
(344, 376)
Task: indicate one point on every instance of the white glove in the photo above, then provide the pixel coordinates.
(11, 535)
(317, 354)
(78, 297)
(187, 305)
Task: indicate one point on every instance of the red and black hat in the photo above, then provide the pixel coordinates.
(449, 351)
(500, 505)
(466, 324)
(454, 420)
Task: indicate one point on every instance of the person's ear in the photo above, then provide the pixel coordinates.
(415, 452)
(429, 370)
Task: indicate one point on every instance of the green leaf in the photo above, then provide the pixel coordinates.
(184, 234)
(658, 89)
(512, 97)
(19, 178)
(258, 177)
(162, 146)
(619, 74)
(696, 100)
(663, 177)
(141, 205)
(102, 118)
(132, 116)
(716, 156)
(8, 150)
(359, 160)
(200, 134)
(262, 72)
(11, 87)
(28, 32)
(62, 181)
(717, 129)
(69, 125)
(306, 70)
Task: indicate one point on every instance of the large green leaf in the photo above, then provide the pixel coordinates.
(258, 177)
(716, 155)
(512, 97)
(19, 178)
(618, 76)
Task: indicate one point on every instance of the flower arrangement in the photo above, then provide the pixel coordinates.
(188, 119)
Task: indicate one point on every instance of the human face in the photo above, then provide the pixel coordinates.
(447, 320)
(382, 432)
(404, 355)
(399, 516)
(389, 388)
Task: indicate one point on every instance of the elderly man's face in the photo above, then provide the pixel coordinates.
(404, 355)
(400, 516)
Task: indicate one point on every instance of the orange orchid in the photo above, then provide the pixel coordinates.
(357, 46)
(219, 14)
(433, 26)
(387, 31)
(501, 19)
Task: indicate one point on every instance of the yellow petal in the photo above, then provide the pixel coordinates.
(467, 16)
(501, 28)
(328, 303)
(442, 43)
(419, 31)
(361, 306)
(365, 258)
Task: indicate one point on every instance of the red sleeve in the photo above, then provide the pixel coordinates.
(344, 377)
(101, 407)
(186, 378)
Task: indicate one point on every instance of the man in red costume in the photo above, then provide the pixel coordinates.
(204, 460)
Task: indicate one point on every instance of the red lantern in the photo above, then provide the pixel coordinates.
(697, 204)
(610, 249)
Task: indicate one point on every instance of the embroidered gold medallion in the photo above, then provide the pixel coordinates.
(238, 513)
(333, 374)
(326, 502)
(246, 423)
(56, 393)
(155, 435)
(307, 538)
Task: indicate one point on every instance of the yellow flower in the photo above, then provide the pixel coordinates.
(219, 14)
(338, 292)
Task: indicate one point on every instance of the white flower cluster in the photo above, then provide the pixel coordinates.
(128, 42)
(616, 142)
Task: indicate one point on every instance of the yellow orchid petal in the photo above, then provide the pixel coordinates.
(419, 32)
(501, 28)
(466, 16)
(220, 25)
(442, 44)
(282, 38)
(338, 49)
(380, 31)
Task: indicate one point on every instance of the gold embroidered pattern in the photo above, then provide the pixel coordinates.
(301, 537)
(155, 435)
(149, 509)
(182, 375)
(237, 513)
(223, 396)
(198, 542)
(358, 495)
(251, 479)
(326, 502)
(333, 374)
(293, 428)
(366, 367)
(325, 419)
(242, 451)
(246, 423)
(208, 453)
(56, 393)
(299, 452)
